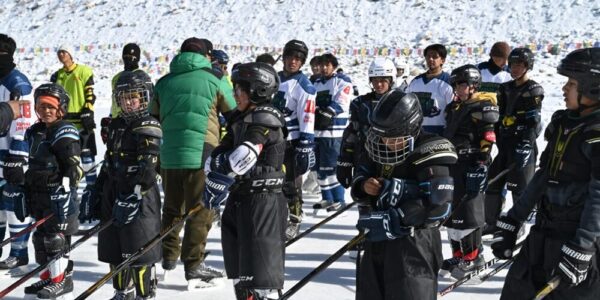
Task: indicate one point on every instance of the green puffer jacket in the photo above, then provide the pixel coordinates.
(187, 102)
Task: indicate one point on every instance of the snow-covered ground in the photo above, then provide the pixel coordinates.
(95, 27)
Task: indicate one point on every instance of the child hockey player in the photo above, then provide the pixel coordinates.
(51, 188)
(251, 155)
(382, 74)
(495, 71)
(127, 190)
(470, 120)
(331, 118)
(406, 181)
(566, 189)
(520, 105)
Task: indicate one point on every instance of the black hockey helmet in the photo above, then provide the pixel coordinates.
(260, 79)
(395, 124)
(294, 47)
(54, 90)
(220, 57)
(523, 55)
(583, 65)
(467, 73)
(132, 85)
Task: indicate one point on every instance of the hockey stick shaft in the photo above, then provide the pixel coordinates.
(335, 256)
(470, 276)
(43, 266)
(147, 247)
(26, 230)
(314, 227)
(501, 174)
(548, 288)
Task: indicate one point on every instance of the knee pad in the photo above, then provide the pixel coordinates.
(54, 243)
(40, 250)
(145, 280)
(122, 280)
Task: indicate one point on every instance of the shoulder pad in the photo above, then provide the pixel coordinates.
(65, 130)
(486, 112)
(554, 120)
(305, 83)
(431, 149)
(147, 126)
(533, 90)
(266, 116)
(214, 72)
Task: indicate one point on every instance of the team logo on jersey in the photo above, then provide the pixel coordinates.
(310, 106)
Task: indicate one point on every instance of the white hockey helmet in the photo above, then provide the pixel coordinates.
(401, 64)
(382, 67)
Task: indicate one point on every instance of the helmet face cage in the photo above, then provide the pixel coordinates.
(388, 150)
(133, 102)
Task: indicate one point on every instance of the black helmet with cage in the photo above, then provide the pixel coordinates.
(259, 79)
(131, 87)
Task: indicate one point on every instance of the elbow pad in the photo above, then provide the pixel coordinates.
(244, 157)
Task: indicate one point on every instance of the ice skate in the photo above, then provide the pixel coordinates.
(448, 266)
(468, 266)
(127, 294)
(58, 290)
(203, 276)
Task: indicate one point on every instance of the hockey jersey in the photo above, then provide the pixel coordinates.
(296, 99)
(434, 94)
(336, 93)
(13, 87)
(492, 76)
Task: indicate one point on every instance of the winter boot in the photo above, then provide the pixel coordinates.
(12, 262)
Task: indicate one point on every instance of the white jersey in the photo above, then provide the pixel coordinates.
(16, 85)
(434, 94)
(492, 76)
(334, 92)
(296, 100)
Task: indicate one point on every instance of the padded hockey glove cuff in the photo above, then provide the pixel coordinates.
(127, 207)
(324, 118)
(15, 194)
(304, 157)
(87, 119)
(523, 154)
(506, 238)
(104, 126)
(87, 208)
(574, 263)
(216, 189)
(395, 191)
(477, 179)
(383, 225)
(343, 172)
(62, 204)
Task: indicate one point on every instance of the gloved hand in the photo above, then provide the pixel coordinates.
(394, 191)
(89, 199)
(304, 157)
(15, 194)
(219, 163)
(87, 119)
(383, 225)
(574, 263)
(62, 204)
(12, 167)
(216, 189)
(523, 154)
(506, 237)
(127, 207)
(324, 117)
(343, 172)
(477, 178)
(104, 125)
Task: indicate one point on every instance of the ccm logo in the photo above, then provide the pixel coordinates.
(267, 182)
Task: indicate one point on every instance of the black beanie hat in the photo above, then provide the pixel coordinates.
(7, 44)
(132, 50)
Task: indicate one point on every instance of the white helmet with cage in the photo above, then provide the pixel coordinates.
(402, 67)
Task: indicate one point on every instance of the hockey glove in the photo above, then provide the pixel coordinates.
(304, 157)
(343, 172)
(219, 163)
(62, 204)
(324, 118)
(127, 207)
(574, 263)
(216, 189)
(394, 191)
(476, 179)
(383, 225)
(87, 119)
(104, 125)
(506, 237)
(12, 167)
(89, 199)
(522, 154)
(15, 194)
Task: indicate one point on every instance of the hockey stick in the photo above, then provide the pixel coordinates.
(357, 239)
(470, 276)
(147, 247)
(26, 230)
(43, 266)
(548, 288)
(312, 228)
